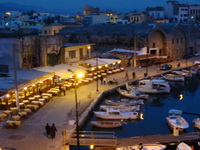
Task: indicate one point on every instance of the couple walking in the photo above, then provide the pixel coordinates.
(51, 131)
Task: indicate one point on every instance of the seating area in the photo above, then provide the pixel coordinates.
(13, 117)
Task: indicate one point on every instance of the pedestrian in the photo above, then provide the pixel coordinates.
(104, 80)
(126, 75)
(145, 74)
(40, 91)
(53, 131)
(178, 65)
(101, 78)
(60, 88)
(48, 130)
(133, 74)
(64, 91)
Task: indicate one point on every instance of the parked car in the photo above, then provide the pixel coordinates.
(166, 67)
(197, 53)
(197, 63)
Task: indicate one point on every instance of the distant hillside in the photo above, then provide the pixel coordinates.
(16, 7)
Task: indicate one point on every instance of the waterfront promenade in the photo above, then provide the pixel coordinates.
(31, 134)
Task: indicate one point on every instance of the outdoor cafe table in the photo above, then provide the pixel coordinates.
(90, 79)
(7, 112)
(42, 100)
(16, 118)
(95, 77)
(103, 74)
(118, 70)
(25, 101)
(22, 113)
(85, 81)
(35, 102)
(21, 104)
(2, 116)
(89, 74)
(31, 98)
(99, 76)
(122, 69)
(28, 110)
(45, 97)
(14, 109)
(32, 107)
(114, 71)
(11, 123)
(47, 94)
(37, 96)
(109, 72)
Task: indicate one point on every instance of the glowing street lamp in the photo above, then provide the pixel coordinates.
(77, 76)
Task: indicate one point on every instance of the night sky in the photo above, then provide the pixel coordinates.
(77, 5)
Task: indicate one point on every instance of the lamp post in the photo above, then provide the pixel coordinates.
(79, 75)
(97, 72)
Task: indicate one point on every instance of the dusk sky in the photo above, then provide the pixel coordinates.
(77, 5)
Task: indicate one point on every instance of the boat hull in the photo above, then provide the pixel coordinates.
(107, 124)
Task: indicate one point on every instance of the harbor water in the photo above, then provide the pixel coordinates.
(184, 96)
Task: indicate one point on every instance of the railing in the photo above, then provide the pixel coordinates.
(97, 138)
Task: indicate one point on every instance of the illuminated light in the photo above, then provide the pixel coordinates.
(7, 95)
(100, 67)
(141, 116)
(80, 75)
(180, 96)
(113, 63)
(41, 81)
(88, 47)
(92, 69)
(50, 78)
(91, 146)
(25, 88)
(8, 13)
(33, 85)
(119, 62)
(106, 65)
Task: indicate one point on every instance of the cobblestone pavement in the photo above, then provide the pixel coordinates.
(31, 134)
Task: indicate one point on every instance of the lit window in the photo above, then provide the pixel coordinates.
(72, 54)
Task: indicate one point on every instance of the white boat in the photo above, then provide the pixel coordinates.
(123, 108)
(144, 147)
(154, 86)
(183, 146)
(174, 77)
(197, 123)
(183, 73)
(107, 124)
(130, 102)
(116, 114)
(133, 93)
(175, 120)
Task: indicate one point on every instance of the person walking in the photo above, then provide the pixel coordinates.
(101, 78)
(53, 131)
(126, 75)
(133, 74)
(104, 80)
(48, 130)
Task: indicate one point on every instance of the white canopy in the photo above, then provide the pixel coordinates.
(101, 61)
(62, 70)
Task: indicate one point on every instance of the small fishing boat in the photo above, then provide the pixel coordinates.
(176, 120)
(197, 123)
(116, 114)
(123, 108)
(133, 93)
(107, 124)
(144, 147)
(174, 77)
(183, 146)
(183, 73)
(155, 86)
(130, 102)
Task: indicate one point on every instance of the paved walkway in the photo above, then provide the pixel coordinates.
(31, 134)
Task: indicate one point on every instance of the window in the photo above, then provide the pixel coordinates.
(154, 45)
(177, 40)
(172, 41)
(45, 31)
(81, 53)
(72, 54)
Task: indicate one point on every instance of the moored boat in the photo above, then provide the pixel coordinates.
(197, 123)
(107, 124)
(144, 147)
(183, 146)
(116, 114)
(133, 93)
(130, 102)
(174, 77)
(155, 86)
(123, 108)
(175, 120)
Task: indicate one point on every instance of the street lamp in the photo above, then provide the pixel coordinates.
(78, 75)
